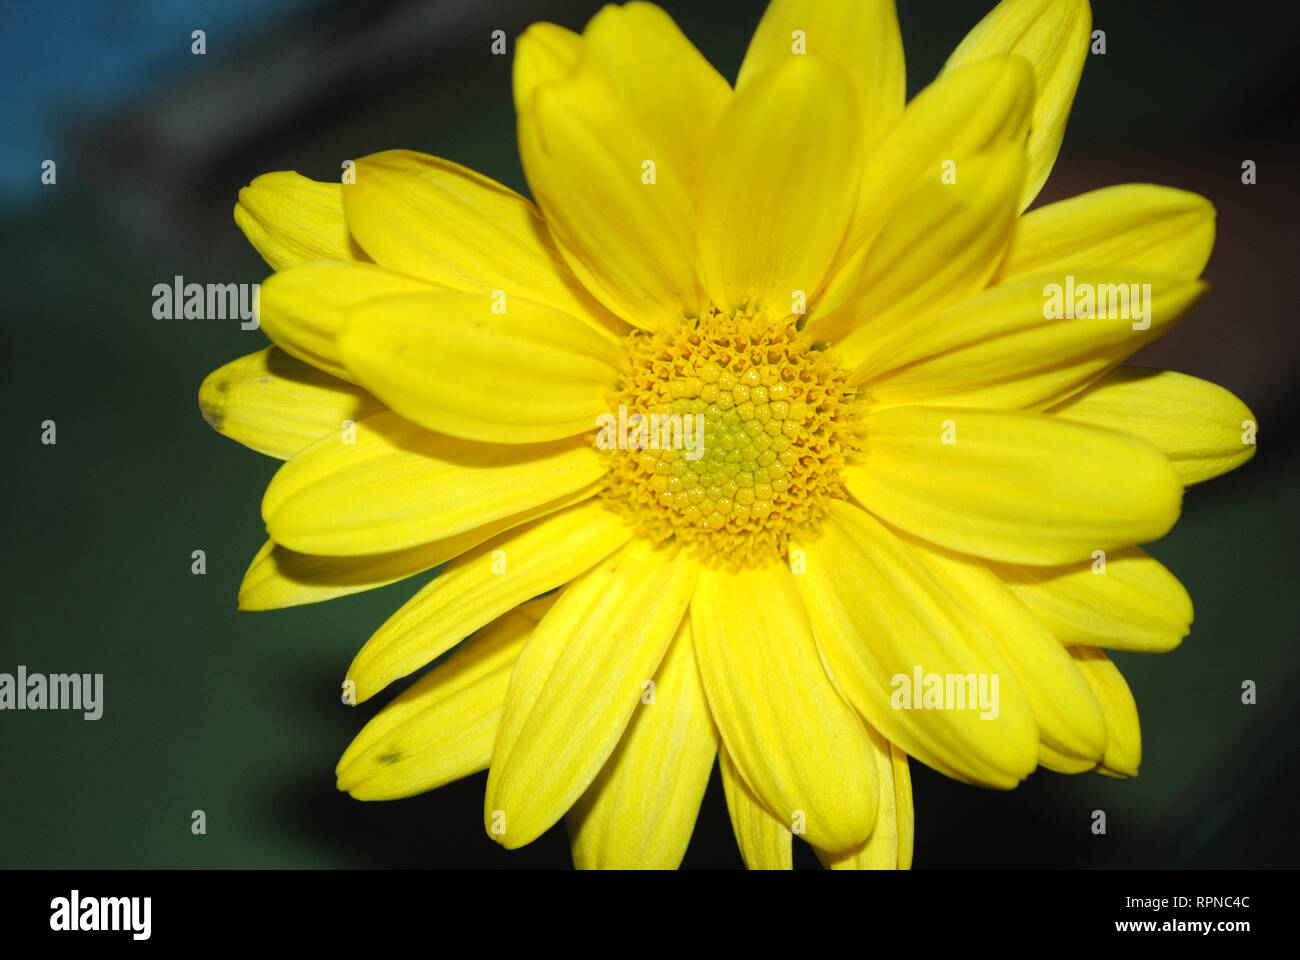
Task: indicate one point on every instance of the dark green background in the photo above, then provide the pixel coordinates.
(238, 714)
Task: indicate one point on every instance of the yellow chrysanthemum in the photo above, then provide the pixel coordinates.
(905, 462)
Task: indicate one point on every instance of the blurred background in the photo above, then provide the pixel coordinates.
(238, 714)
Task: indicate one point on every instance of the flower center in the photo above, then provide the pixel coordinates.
(736, 433)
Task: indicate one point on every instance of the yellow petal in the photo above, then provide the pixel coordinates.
(484, 583)
(621, 217)
(1124, 734)
(890, 845)
(1012, 486)
(395, 485)
(1124, 600)
(578, 682)
(279, 577)
(1009, 348)
(776, 197)
(544, 53)
(904, 815)
(1139, 226)
(434, 219)
(1067, 715)
(765, 842)
(302, 308)
(1053, 35)
(640, 810)
(967, 111)
(1050, 759)
(277, 405)
(940, 246)
(798, 746)
(669, 90)
(290, 219)
(440, 728)
(455, 363)
(860, 37)
(1203, 429)
(880, 616)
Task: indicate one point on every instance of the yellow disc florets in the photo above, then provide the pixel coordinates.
(727, 434)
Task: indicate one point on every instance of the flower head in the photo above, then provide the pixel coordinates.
(774, 409)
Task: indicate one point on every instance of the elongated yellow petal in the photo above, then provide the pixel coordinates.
(765, 842)
(577, 684)
(796, 743)
(881, 617)
(1010, 348)
(640, 810)
(1067, 715)
(452, 363)
(279, 577)
(1057, 762)
(776, 198)
(905, 817)
(940, 246)
(1139, 226)
(669, 90)
(1052, 35)
(290, 219)
(277, 405)
(440, 728)
(967, 111)
(890, 845)
(389, 484)
(1013, 486)
(431, 218)
(1124, 600)
(622, 218)
(545, 52)
(303, 307)
(1123, 732)
(1203, 429)
(484, 583)
(860, 37)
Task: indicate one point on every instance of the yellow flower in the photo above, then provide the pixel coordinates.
(893, 442)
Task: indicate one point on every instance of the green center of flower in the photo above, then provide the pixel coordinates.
(728, 434)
